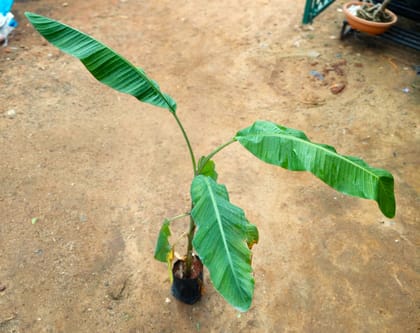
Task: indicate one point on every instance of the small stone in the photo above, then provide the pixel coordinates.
(337, 88)
(307, 27)
(313, 54)
(83, 218)
(316, 75)
(11, 114)
(2, 287)
(296, 43)
(167, 300)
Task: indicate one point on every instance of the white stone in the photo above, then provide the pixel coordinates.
(10, 113)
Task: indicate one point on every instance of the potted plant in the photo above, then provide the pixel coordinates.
(219, 235)
(367, 17)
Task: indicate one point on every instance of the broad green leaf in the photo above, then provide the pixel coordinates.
(209, 169)
(221, 241)
(163, 248)
(104, 64)
(291, 149)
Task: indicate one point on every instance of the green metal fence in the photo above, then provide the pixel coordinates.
(313, 8)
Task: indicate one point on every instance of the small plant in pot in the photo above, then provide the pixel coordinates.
(219, 236)
(368, 17)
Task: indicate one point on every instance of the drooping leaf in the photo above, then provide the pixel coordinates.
(104, 64)
(208, 169)
(291, 149)
(221, 241)
(163, 248)
(252, 235)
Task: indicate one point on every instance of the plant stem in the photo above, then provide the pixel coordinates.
(187, 141)
(381, 9)
(180, 216)
(191, 231)
(188, 261)
(385, 4)
(214, 152)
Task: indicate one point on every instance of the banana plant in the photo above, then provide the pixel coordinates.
(218, 231)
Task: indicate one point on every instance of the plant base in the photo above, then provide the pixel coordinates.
(187, 290)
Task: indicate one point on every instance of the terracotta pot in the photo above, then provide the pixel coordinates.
(373, 28)
(187, 290)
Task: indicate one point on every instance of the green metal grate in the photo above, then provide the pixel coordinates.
(313, 8)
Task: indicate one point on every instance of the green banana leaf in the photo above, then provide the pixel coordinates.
(221, 241)
(292, 150)
(163, 248)
(208, 169)
(164, 251)
(104, 64)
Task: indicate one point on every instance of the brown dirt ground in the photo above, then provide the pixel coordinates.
(101, 171)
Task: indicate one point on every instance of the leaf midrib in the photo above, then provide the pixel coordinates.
(219, 223)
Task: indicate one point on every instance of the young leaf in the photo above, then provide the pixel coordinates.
(292, 150)
(209, 169)
(221, 241)
(163, 248)
(104, 64)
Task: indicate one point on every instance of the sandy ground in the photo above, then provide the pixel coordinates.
(87, 175)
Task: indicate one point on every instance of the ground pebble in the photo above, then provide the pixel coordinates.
(83, 218)
(337, 88)
(10, 113)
